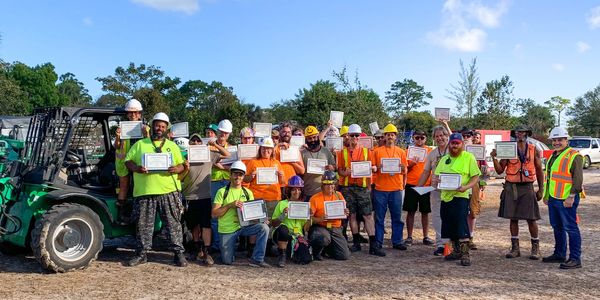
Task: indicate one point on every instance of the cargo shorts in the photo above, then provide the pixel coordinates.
(358, 199)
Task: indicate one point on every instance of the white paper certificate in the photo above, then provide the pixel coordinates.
(298, 210)
(266, 175)
(316, 166)
(335, 143)
(253, 210)
(262, 129)
(206, 140)
(422, 190)
(131, 130)
(180, 129)
(449, 181)
(416, 154)
(292, 154)
(335, 209)
(233, 155)
(442, 114)
(198, 154)
(360, 169)
(337, 118)
(374, 127)
(477, 150)
(366, 142)
(297, 141)
(506, 150)
(157, 161)
(390, 165)
(247, 151)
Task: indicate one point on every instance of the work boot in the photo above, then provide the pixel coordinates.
(140, 258)
(553, 259)
(465, 259)
(281, 258)
(355, 242)
(535, 250)
(375, 249)
(514, 249)
(456, 253)
(472, 245)
(180, 260)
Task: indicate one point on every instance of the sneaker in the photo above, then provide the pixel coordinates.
(553, 259)
(408, 241)
(428, 241)
(571, 264)
(439, 251)
(400, 247)
(257, 264)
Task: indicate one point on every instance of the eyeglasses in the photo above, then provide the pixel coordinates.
(354, 135)
(418, 137)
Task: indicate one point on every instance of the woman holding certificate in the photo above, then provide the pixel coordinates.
(457, 173)
(265, 175)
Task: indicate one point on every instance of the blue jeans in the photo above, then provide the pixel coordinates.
(563, 223)
(393, 200)
(228, 240)
(214, 187)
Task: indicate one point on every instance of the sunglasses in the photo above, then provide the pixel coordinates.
(418, 137)
(354, 135)
(467, 135)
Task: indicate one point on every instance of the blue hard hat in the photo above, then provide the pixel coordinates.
(295, 181)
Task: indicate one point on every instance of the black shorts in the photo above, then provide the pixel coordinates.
(198, 213)
(414, 201)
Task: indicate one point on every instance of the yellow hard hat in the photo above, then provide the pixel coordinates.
(390, 128)
(311, 130)
(344, 130)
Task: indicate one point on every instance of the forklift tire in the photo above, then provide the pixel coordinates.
(67, 237)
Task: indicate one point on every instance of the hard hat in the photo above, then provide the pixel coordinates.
(161, 116)
(329, 177)
(354, 128)
(247, 132)
(238, 165)
(267, 143)
(311, 130)
(343, 130)
(213, 127)
(558, 132)
(390, 128)
(295, 181)
(182, 142)
(225, 126)
(133, 105)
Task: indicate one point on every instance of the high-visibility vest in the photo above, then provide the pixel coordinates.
(347, 165)
(515, 170)
(558, 178)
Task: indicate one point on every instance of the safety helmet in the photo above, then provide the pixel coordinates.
(225, 126)
(558, 132)
(238, 165)
(343, 130)
(182, 142)
(267, 143)
(161, 116)
(311, 130)
(295, 182)
(133, 105)
(354, 128)
(329, 177)
(213, 127)
(390, 128)
(246, 131)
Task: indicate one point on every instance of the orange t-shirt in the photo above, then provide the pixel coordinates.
(387, 182)
(415, 172)
(317, 208)
(267, 192)
(287, 168)
(356, 154)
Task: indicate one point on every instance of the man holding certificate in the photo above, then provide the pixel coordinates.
(389, 187)
(356, 188)
(219, 176)
(315, 152)
(457, 173)
(156, 191)
(291, 163)
(265, 175)
(518, 200)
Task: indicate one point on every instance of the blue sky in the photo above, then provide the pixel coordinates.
(267, 50)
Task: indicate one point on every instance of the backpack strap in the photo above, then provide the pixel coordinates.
(243, 190)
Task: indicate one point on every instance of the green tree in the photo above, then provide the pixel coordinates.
(39, 84)
(465, 92)
(558, 104)
(585, 113)
(13, 100)
(126, 81)
(406, 96)
(495, 104)
(416, 120)
(537, 117)
(73, 91)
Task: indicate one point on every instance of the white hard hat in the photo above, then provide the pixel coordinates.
(161, 116)
(133, 105)
(225, 126)
(354, 128)
(182, 142)
(267, 143)
(558, 132)
(238, 165)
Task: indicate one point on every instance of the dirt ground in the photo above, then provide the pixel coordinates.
(414, 273)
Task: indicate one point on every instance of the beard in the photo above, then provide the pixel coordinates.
(313, 145)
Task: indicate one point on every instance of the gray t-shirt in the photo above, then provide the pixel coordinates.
(312, 182)
(196, 183)
(432, 159)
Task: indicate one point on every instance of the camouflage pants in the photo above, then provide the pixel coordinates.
(169, 208)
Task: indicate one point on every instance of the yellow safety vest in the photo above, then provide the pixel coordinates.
(559, 179)
(347, 165)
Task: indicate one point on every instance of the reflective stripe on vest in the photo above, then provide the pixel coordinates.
(515, 169)
(347, 165)
(559, 179)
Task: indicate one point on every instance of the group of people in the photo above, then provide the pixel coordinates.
(215, 192)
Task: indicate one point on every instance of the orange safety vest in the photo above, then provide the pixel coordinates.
(517, 171)
(347, 165)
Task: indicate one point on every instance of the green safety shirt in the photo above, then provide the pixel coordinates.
(294, 225)
(465, 165)
(229, 222)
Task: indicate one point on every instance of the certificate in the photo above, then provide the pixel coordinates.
(266, 176)
(360, 169)
(316, 166)
(292, 154)
(247, 151)
(442, 114)
(297, 141)
(298, 210)
(337, 118)
(180, 129)
(422, 190)
(416, 154)
(449, 181)
(335, 209)
(366, 142)
(253, 210)
(198, 154)
(506, 150)
(390, 165)
(233, 155)
(157, 161)
(262, 129)
(335, 143)
(477, 150)
(131, 130)
(206, 140)
(374, 127)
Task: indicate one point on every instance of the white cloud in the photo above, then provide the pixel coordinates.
(87, 21)
(186, 6)
(462, 25)
(558, 67)
(593, 17)
(583, 47)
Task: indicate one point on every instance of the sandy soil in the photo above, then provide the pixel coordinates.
(415, 273)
